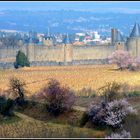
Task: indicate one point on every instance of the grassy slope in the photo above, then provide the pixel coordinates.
(29, 127)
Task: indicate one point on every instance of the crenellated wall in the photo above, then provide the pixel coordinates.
(59, 55)
(92, 52)
(46, 53)
(68, 53)
(9, 54)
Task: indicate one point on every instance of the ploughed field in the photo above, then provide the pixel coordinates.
(76, 77)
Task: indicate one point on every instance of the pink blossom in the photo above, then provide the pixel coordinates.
(123, 134)
(124, 60)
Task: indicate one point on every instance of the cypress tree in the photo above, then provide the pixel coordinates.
(21, 60)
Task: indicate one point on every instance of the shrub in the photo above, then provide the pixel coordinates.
(58, 98)
(21, 103)
(110, 114)
(87, 91)
(2, 103)
(17, 89)
(84, 119)
(124, 60)
(125, 88)
(9, 107)
(121, 58)
(134, 64)
(6, 106)
(97, 114)
(21, 60)
(122, 134)
(117, 111)
(110, 91)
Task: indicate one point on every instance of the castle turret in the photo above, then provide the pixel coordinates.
(120, 42)
(48, 40)
(67, 50)
(136, 31)
(133, 42)
(117, 39)
(31, 51)
(114, 32)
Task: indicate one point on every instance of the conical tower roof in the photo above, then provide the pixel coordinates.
(119, 37)
(67, 40)
(30, 40)
(136, 31)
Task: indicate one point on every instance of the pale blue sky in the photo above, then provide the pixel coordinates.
(114, 6)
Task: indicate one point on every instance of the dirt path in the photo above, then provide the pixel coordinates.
(79, 108)
(25, 117)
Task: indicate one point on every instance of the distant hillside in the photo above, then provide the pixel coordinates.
(66, 21)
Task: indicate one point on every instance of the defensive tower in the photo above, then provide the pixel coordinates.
(133, 42)
(67, 51)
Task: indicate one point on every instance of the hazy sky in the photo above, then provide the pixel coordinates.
(126, 7)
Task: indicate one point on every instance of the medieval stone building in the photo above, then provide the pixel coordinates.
(67, 54)
(133, 42)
